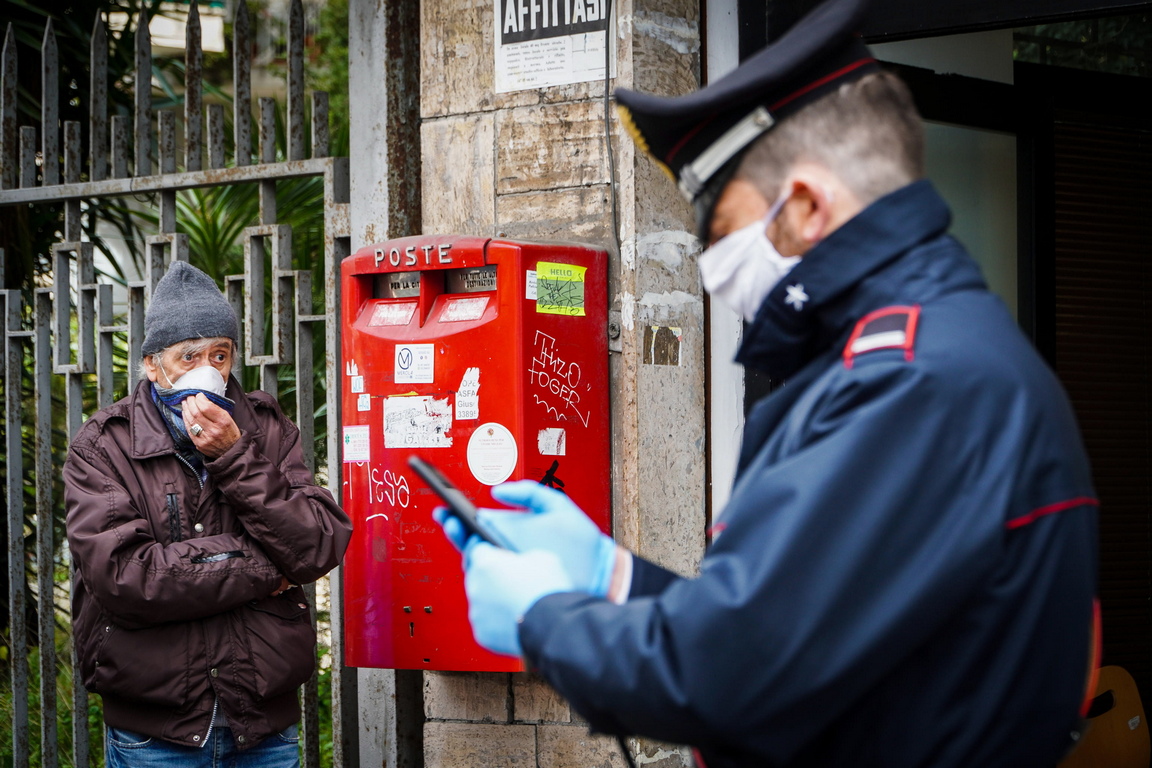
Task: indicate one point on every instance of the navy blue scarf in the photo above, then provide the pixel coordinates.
(168, 403)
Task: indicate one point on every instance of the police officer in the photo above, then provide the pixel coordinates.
(906, 567)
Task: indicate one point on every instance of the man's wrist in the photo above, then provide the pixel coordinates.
(621, 583)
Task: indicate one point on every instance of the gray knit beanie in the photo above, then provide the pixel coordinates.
(186, 304)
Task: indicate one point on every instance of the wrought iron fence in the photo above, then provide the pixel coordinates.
(68, 330)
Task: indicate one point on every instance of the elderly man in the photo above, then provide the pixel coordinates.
(904, 574)
(191, 520)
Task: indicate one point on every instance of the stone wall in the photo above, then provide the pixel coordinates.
(533, 165)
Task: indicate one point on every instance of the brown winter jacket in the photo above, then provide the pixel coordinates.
(172, 608)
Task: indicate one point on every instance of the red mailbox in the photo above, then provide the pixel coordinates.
(489, 359)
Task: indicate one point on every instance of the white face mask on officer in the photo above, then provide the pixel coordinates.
(743, 267)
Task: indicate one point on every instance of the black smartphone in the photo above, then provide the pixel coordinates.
(458, 504)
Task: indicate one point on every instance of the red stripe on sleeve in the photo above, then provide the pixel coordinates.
(1031, 517)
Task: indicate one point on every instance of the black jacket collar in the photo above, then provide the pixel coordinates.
(812, 306)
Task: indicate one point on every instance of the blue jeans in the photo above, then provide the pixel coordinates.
(125, 749)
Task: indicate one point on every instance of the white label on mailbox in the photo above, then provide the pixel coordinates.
(459, 310)
(415, 363)
(364, 402)
(417, 422)
(551, 442)
(356, 444)
(468, 396)
(530, 285)
(492, 453)
(357, 384)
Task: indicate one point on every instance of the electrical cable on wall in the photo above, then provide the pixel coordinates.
(609, 41)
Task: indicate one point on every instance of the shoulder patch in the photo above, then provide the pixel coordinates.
(887, 328)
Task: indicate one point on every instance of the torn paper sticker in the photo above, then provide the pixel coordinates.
(551, 442)
(560, 288)
(356, 444)
(417, 422)
(468, 396)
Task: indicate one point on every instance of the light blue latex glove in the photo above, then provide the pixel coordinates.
(502, 586)
(551, 523)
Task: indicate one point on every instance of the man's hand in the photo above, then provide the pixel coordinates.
(552, 523)
(211, 427)
(502, 586)
(285, 585)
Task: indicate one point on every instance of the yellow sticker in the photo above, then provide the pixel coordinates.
(560, 288)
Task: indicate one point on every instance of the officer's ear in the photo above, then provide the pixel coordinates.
(818, 204)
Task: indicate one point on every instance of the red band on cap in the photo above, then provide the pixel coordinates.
(782, 102)
(822, 81)
(685, 139)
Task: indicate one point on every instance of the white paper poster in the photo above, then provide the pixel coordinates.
(541, 43)
(417, 422)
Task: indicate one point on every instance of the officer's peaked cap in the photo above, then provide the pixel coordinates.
(697, 136)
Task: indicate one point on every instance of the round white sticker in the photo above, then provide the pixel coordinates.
(492, 453)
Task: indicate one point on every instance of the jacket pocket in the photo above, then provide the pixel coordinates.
(282, 642)
(148, 665)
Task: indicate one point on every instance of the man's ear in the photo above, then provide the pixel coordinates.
(811, 209)
(151, 369)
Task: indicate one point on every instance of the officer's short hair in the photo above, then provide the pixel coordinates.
(867, 132)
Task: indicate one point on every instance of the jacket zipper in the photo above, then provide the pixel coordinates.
(174, 517)
(192, 469)
(212, 722)
(215, 699)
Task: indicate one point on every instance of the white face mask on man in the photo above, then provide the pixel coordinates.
(205, 378)
(743, 267)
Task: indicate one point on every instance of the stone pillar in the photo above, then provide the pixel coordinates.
(532, 165)
(384, 180)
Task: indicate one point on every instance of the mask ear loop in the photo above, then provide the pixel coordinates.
(777, 206)
(160, 365)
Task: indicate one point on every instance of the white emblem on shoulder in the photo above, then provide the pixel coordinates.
(796, 296)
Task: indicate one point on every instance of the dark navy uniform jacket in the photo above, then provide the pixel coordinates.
(906, 571)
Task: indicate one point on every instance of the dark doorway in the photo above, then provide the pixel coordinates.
(1090, 147)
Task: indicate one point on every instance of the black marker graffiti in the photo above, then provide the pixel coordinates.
(550, 478)
(561, 296)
